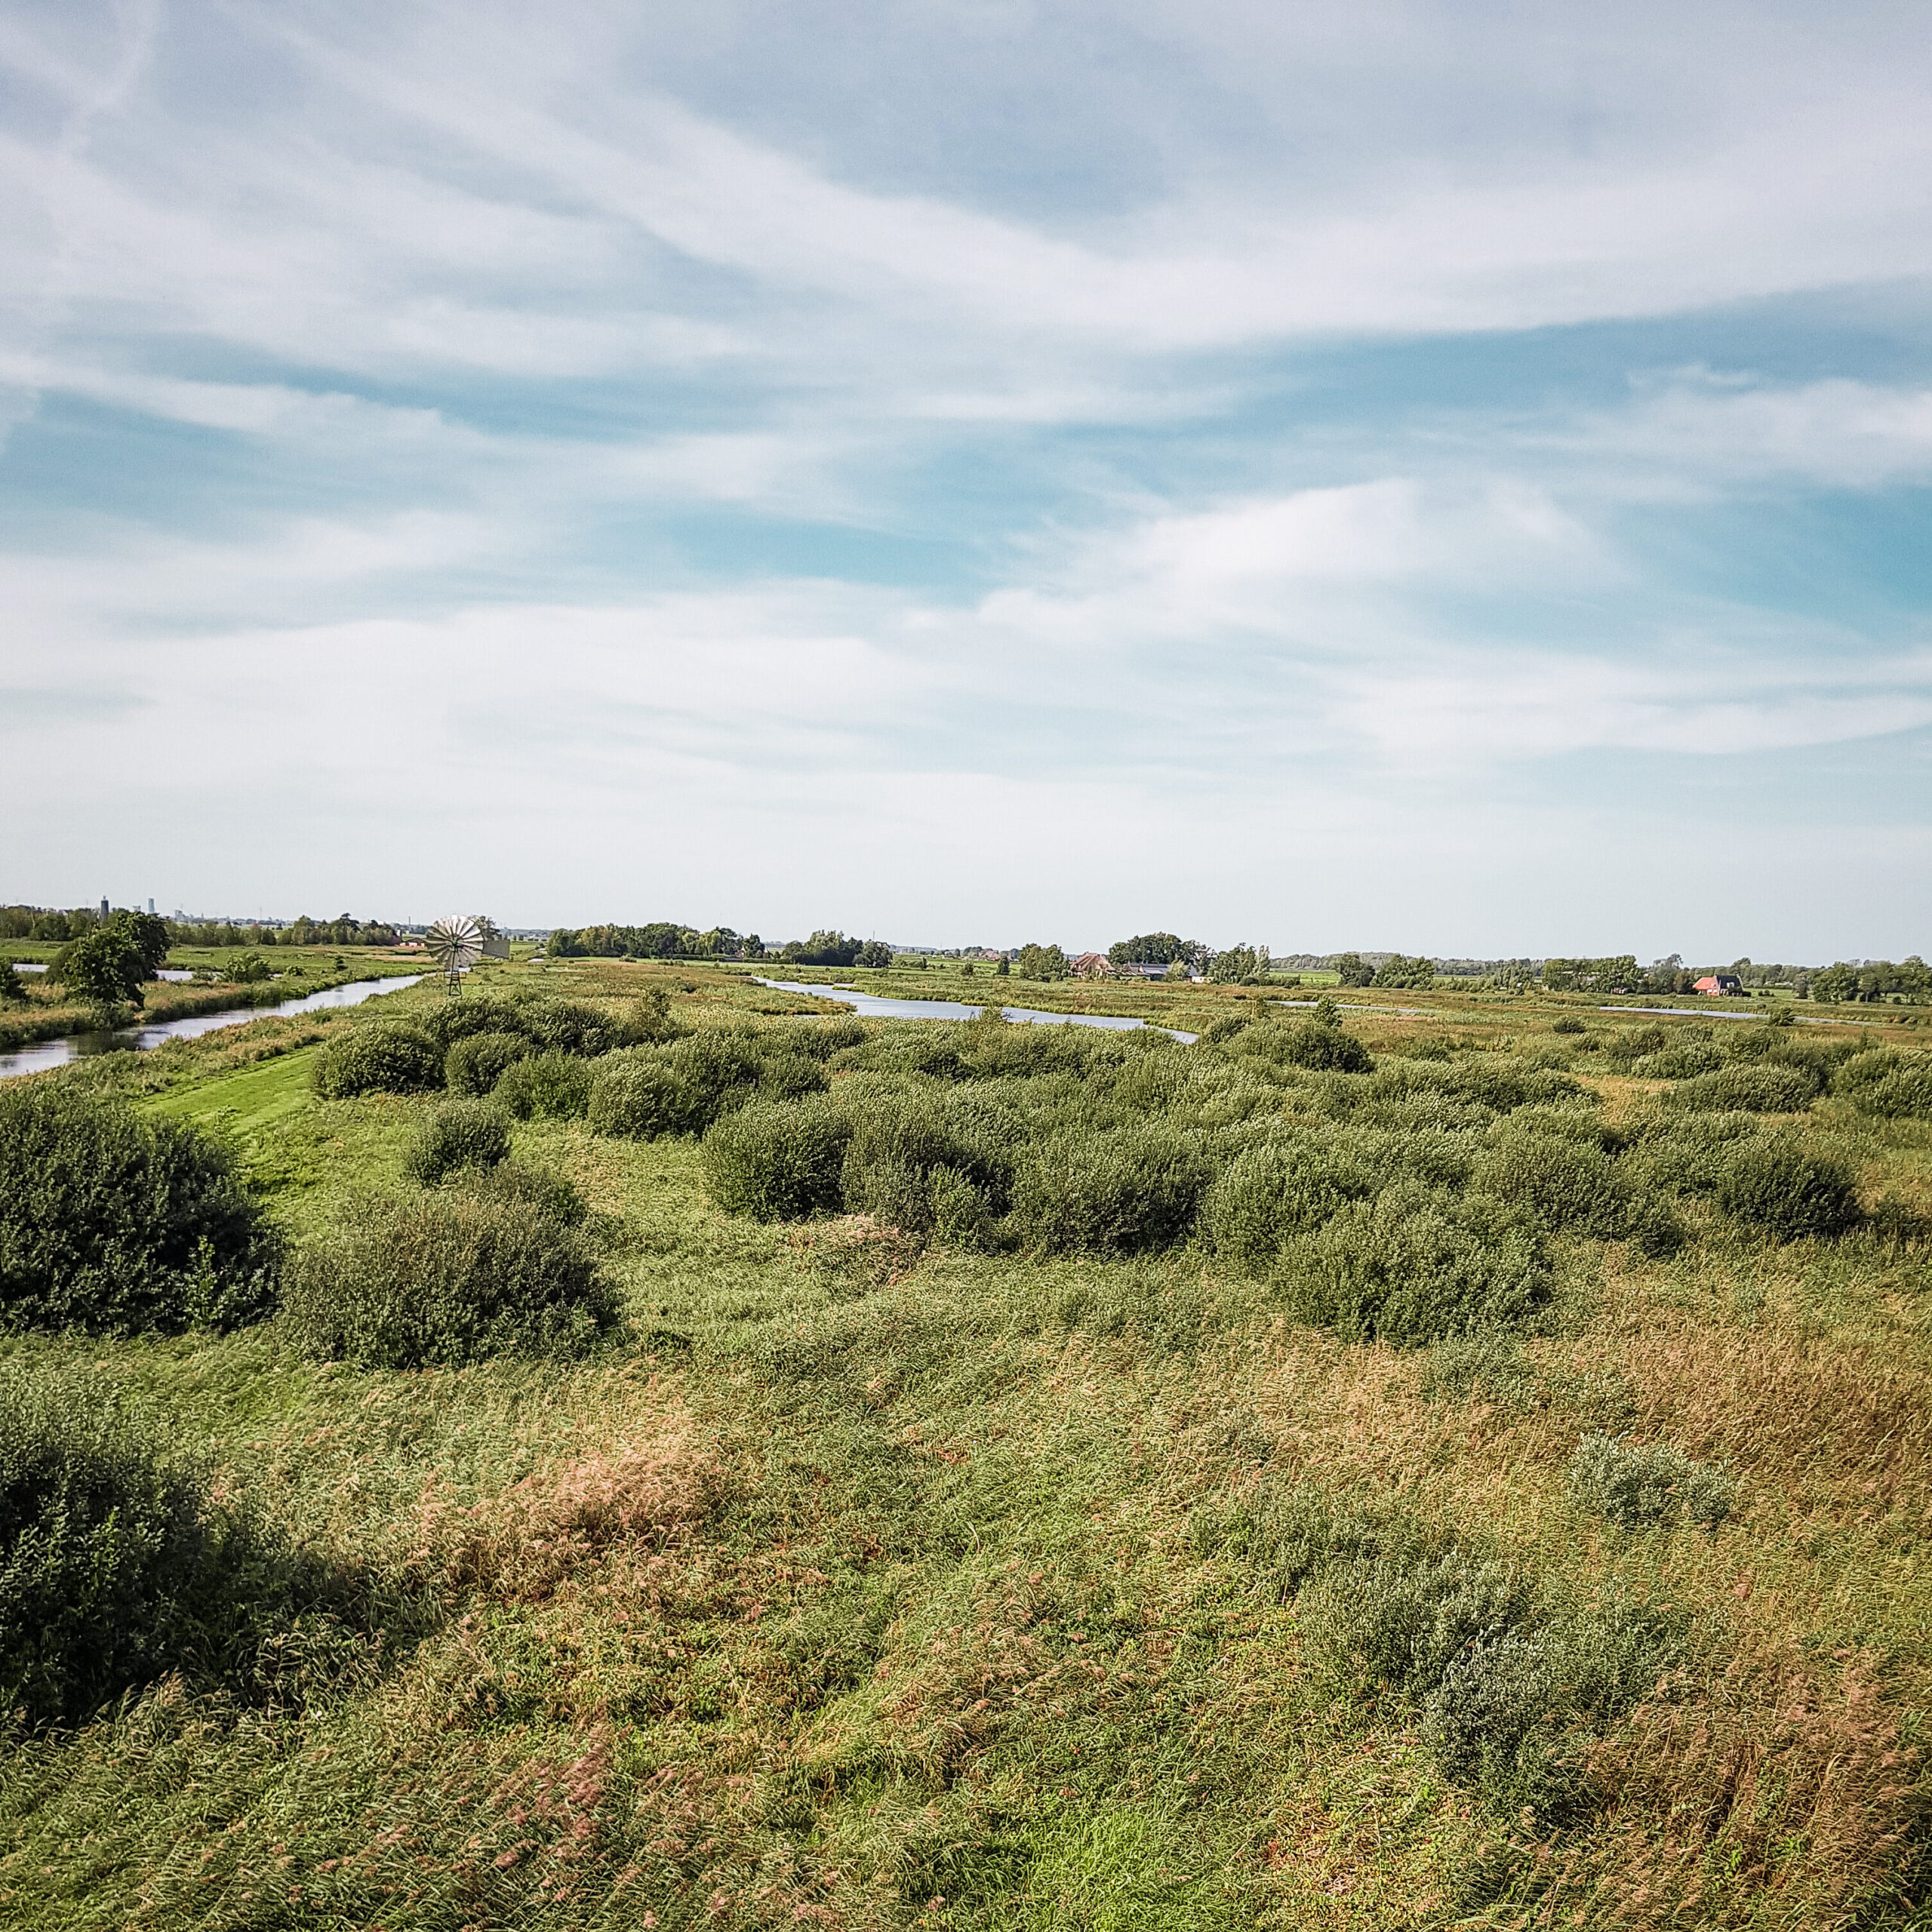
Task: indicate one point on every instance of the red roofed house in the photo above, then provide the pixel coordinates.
(1722, 984)
(1091, 966)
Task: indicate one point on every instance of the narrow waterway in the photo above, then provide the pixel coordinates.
(876, 1006)
(44, 1054)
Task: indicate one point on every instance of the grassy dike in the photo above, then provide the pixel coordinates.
(866, 1582)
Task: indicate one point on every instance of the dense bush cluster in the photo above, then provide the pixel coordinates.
(102, 1540)
(459, 1135)
(116, 1223)
(493, 1263)
(1409, 1200)
(474, 1047)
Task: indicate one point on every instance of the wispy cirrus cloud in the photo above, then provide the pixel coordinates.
(1317, 413)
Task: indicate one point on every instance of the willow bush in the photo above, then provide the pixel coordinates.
(114, 1221)
(490, 1264)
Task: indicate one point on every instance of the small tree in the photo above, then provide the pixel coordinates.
(1041, 962)
(874, 952)
(1238, 963)
(104, 968)
(1353, 970)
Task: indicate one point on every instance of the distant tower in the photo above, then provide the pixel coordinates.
(103, 906)
(150, 909)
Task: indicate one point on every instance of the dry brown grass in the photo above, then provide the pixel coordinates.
(1781, 1795)
(642, 1489)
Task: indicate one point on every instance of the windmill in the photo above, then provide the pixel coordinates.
(455, 942)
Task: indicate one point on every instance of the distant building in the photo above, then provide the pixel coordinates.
(1143, 969)
(1090, 966)
(1721, 985)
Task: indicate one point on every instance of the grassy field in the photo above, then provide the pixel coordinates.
(868, 1578)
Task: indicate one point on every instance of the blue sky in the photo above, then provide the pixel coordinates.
(1455, 478)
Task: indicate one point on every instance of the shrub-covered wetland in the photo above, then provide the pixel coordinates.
(626, 1447)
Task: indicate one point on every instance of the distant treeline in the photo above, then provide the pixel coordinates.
(1868, 980)
(43, 923)
(663, 940)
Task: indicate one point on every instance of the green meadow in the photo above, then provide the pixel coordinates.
(1448, 1459)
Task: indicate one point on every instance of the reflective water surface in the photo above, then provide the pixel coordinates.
(44, 1054)
(876, 1006)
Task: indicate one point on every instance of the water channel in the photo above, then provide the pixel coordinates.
(44, 1054)
(876, 1006)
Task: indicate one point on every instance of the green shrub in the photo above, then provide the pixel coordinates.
(476, 1062)
(1268, 1194)
(1894, 1084)
(102, 1538)
(639, 1095)
(1564, 1179)
(379, 1056)
(1568, 1023)
(791, 1076)
(1788, 1189)
(645, 1092)
(1493, 1367)
(1625, 1049)
(1399, 1620)
(115, 1222)
(1514, 1713)
(1114, 1192)
(449, 1020)
(900, 1139)
(778, 1159)
(554, 1086)
(571, 1027)
(1685, 1152)
(1764, 1088)
(1684, 1058)
(1412, 1267)
(460, 1134)
(489, 1265)
(1641, 1485)
(1322, 1049)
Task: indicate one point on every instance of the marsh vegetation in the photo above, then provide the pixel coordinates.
(624, 1446)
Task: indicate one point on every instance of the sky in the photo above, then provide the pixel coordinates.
(1455, 478)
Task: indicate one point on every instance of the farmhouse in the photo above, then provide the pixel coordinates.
(1090, 966)
(1719, 983)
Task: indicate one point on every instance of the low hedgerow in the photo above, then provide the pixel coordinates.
(460, 1134)
(489, 1265)
(379, 1056)
(102, 1538)
(1414, 1267)
(1641, 1485)
(1789, 1190)
(476, 1062)
(778, 1159)
(1114, 1192)
(550, 1086)
(116, 1223)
